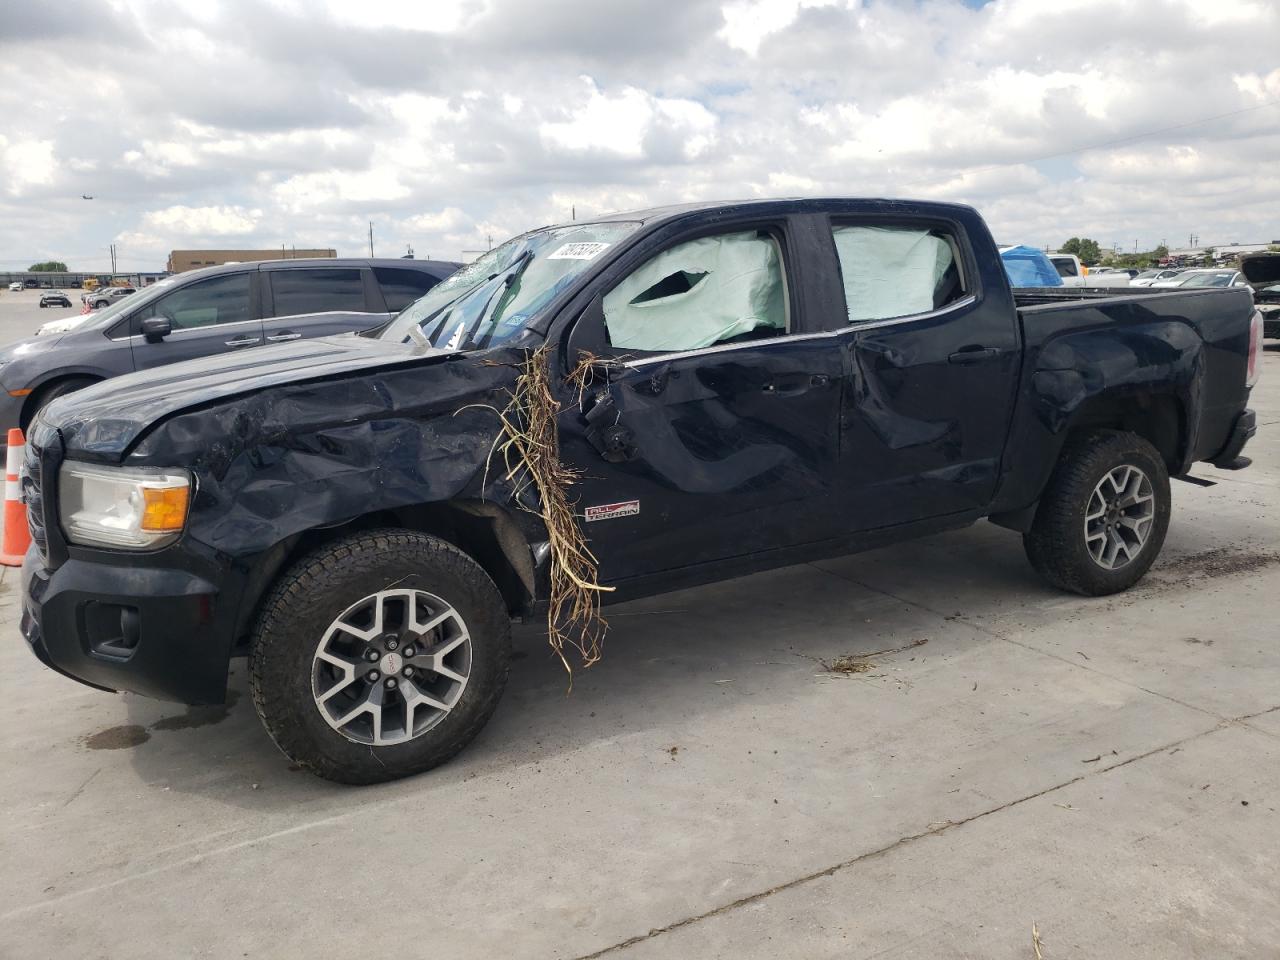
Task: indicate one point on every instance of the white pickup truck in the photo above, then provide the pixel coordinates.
(1076, 274)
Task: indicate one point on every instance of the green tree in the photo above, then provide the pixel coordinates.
(49, 266)
(1087, 250)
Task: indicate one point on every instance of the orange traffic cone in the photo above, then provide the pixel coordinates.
(17, 536)
(86, 308)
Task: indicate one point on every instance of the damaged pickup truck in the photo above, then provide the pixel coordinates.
(733, 387)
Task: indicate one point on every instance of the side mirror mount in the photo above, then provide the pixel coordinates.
(155, 329)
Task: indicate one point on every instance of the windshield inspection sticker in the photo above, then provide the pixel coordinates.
(611, 511)
(578, 251)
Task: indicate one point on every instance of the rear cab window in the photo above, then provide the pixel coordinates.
(322, 290)
(898, 270)
(1065, 266)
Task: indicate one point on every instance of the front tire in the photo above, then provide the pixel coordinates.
(1103, 517)
(379, 656)
(50, 392)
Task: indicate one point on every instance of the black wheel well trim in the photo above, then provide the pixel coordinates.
(39, 388)
(483, 530)
(1160, 418)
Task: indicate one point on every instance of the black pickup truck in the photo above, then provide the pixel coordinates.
(755, 384)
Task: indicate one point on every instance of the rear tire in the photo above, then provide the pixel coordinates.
(346, 621)
(1103, 516)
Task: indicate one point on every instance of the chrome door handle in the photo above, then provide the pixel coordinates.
(243, 341)
(282, 337)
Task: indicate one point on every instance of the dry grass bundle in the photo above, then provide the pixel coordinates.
(530, 449)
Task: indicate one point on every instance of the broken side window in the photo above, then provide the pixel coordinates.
(896, 271)
(703, 292)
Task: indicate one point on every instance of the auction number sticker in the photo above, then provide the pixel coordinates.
(579, 251)
(611, 511)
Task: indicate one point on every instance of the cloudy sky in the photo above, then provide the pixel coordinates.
(231, 123)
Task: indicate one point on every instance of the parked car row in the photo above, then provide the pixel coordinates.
(230, 308)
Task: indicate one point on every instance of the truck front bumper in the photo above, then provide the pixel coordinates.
(1229, 458)
(159, 632)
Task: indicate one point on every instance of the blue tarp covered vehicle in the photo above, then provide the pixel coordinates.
(1029, 267)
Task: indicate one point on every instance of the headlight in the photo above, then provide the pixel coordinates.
(130, 507)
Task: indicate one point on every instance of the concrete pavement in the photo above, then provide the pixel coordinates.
(1105, 769)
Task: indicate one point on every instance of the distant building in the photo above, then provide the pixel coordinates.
(183, 260)
(1223, 252)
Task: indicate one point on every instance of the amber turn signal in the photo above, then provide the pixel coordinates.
(164, 508)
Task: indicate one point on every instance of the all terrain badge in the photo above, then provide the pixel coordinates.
(611, 511)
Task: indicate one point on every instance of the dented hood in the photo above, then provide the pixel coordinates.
(103, 421)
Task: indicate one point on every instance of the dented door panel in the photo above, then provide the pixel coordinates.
(708, 455)
(927, 408)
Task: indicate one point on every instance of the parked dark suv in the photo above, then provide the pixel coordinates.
(203, 312)
(55, 298)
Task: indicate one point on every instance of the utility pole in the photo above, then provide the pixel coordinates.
(371, 238)
(113, 259)
(573, 212)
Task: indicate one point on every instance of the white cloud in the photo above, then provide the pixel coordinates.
(447, 123)
(26, 163)
(202, 221)
(619, 123)
(748, 22)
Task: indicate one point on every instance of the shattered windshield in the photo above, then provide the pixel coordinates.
(494, 298)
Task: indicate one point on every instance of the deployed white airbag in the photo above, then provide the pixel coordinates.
(890, 271)
(699, 293)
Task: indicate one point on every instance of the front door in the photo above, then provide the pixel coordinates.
(214, 315)
(715, 434)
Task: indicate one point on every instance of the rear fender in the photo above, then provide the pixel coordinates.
(1146, 378)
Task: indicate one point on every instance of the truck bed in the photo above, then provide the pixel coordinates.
(1041, 296)
(1187, 345)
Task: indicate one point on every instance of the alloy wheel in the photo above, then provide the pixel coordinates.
(391, 666)
(1119, 517)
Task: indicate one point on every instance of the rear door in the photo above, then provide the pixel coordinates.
(933, 356)
(218, 314)
(320, 301)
